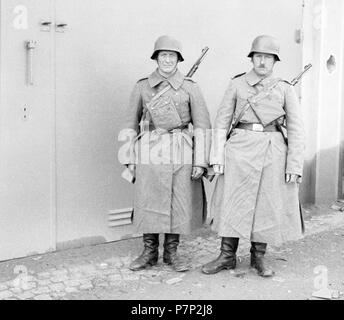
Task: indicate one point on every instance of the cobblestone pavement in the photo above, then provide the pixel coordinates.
(70, 273)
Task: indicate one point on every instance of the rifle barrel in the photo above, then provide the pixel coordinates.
(198, 62)
(297, 79)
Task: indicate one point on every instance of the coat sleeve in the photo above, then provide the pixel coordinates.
(222, 124)
(201, 126)
(295, 132)
(130, 127)
(133, 113)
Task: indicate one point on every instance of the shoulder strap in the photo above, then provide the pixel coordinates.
(238, 75)
(159, 94)
(145, 78)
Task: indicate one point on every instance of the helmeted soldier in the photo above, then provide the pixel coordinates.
(256, 193)
(169, 195)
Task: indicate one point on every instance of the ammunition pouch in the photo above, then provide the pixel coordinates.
(164, 114)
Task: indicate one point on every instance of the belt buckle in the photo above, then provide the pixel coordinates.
(257, 127)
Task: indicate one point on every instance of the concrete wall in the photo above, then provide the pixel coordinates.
(322, 97)
(60, 179)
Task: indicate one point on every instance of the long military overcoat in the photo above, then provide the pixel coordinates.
(166, 199)
(252, 200)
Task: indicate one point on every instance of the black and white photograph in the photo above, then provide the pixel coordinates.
(174, 154)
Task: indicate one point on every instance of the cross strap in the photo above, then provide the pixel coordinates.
(145, 116)
(159, 94)
(256, 98)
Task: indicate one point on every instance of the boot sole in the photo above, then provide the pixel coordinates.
(224, 268)
(169, 263)
(262, 274)
(147, 266)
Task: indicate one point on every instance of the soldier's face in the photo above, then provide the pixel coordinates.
(167, 61)
(263, 63)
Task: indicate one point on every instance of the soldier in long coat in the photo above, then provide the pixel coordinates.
(169, 156)
(256, 195)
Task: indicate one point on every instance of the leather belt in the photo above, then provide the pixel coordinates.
(182, 127)
(257, 127)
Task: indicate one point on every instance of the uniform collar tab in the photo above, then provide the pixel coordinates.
(253, 79)
(176, 80)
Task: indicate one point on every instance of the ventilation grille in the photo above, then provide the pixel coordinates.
(121, 217)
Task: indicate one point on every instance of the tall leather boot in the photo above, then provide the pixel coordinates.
(170, 256)
(226, 259)
(149, 256)
(258, 250)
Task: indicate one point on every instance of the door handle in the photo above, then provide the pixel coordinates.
(30, 47)
(61, 26)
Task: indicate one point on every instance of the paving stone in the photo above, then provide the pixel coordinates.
(113, 260)
(5, 294)
(86, 286)
(59, 278)
(72, 283)
(103, 266)
(110, 271)
(85, 281)
(102, 284)
(115, 277)
(45, 282)
(71, 289)
(123, 271)
(77, 275)
(25, 295)
(128, 277)
(29, 286)
(87, 268)
(21, 281)
(58, 273)
(43, 297)
(43, 275)
(57, 287)
(58, 294)
(41, 290)
(16, 290)
(3, 287)
(73, 269)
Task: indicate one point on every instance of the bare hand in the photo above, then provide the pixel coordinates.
(293, 178)
(197, 172)
(219, 169)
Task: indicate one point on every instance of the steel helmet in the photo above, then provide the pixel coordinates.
(265, 44)
(167, 43)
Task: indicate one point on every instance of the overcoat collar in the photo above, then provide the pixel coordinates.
(253, 79)
(176, 80)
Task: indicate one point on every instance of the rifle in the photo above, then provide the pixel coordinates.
(293, 82)
(296, 80)
(197, 63)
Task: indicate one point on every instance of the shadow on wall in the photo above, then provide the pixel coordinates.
(323, 177)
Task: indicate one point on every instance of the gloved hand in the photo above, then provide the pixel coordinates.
(219, 169)
(293, 178)
(197, 172)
